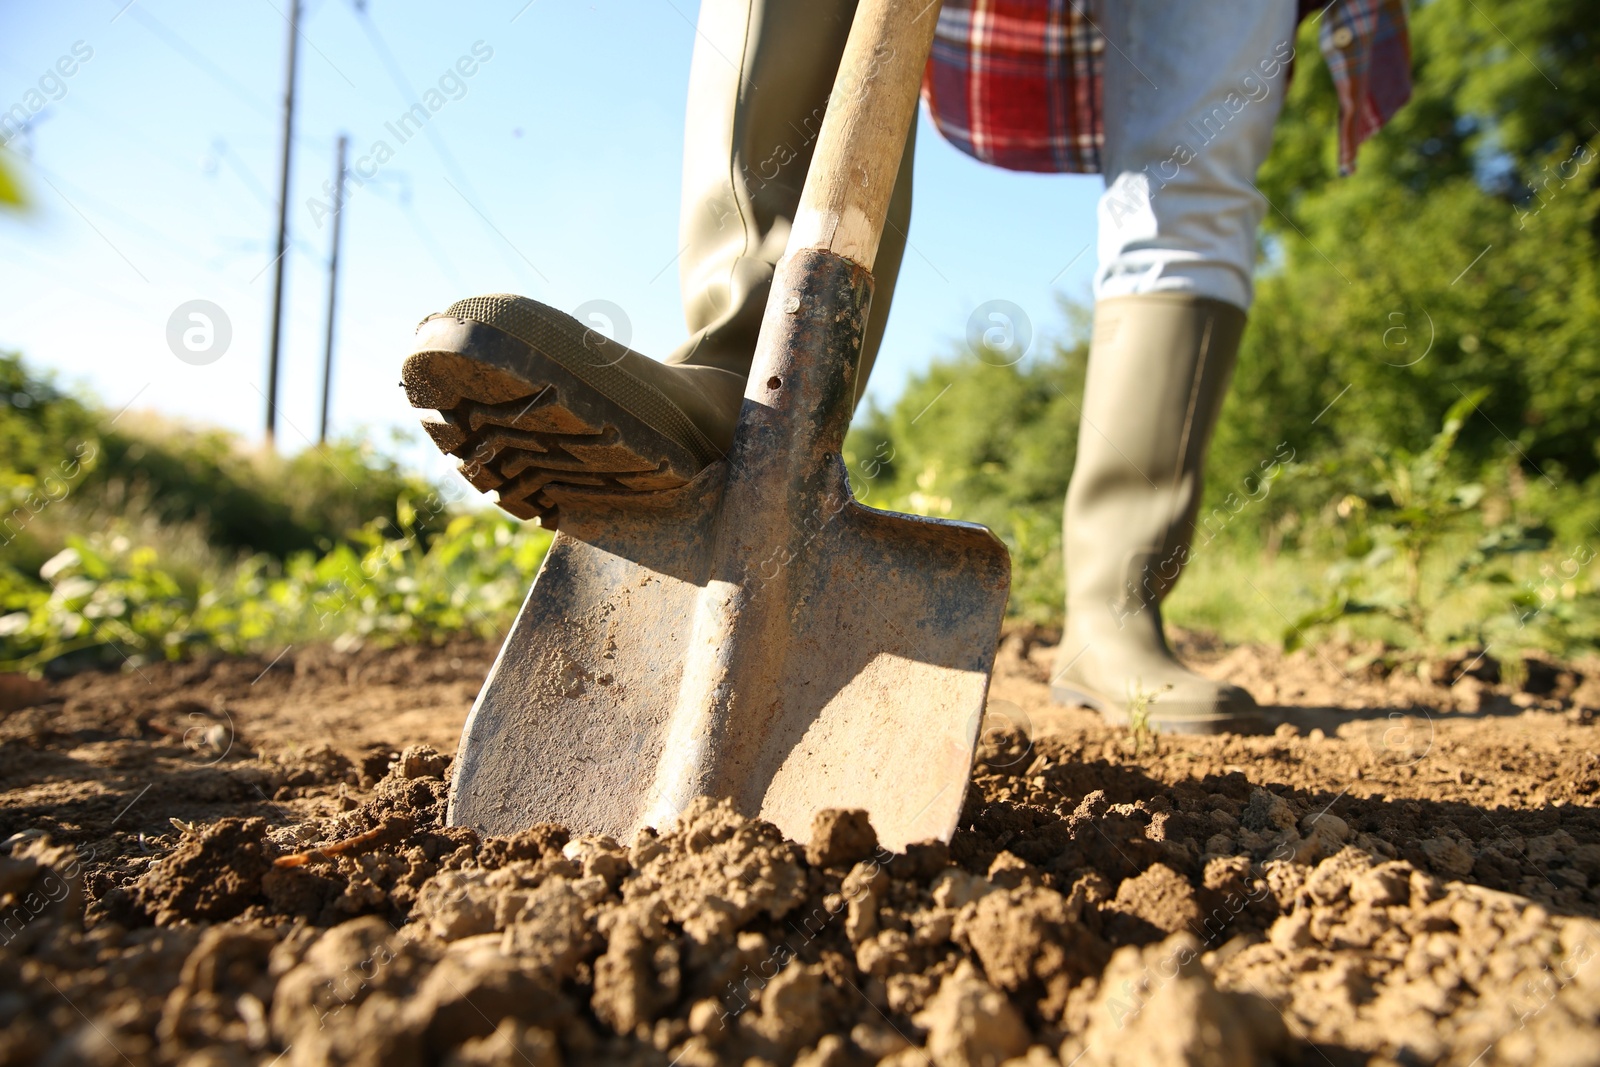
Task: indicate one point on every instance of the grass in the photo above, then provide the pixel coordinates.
(1539, 601)
(1140, 730)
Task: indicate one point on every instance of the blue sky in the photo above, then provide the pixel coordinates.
(153, 171)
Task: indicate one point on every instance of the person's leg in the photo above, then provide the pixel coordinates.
(533, 401)
(758, 88)
(1191, 94)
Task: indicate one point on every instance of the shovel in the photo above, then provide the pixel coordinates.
(758, 634)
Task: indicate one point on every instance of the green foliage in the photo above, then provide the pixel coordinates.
(1406, 506)
(254, 501)
(129, 541)
(106, 600)
(988, 443)
(243, 500)
(1462, 253)
(1461, 257)
(1427, 299)
(39, 425)
(1556, 608)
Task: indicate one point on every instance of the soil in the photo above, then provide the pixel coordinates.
(244, 861)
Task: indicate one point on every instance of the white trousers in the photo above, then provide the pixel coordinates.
(1191, 92)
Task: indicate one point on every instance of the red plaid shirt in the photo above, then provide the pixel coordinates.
(1016, 83)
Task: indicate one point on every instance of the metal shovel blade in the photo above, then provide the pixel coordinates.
(760, 635)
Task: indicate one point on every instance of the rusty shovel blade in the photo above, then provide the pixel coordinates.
(759, 635)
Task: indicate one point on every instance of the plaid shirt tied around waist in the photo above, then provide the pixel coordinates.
(1017, 83)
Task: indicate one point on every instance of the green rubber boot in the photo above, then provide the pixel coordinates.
(1159, 367)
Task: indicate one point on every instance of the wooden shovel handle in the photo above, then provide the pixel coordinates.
(874, 101)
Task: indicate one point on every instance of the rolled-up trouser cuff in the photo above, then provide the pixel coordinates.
(1191, 94)
(1174, 272)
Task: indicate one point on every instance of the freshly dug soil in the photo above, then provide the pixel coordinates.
(245, 862)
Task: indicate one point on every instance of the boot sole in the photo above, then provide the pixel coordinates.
(1175, 721)
(536, 407)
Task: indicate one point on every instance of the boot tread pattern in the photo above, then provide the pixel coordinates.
(524, 439)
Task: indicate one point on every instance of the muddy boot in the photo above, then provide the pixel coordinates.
(532, 400)
(1158, 370)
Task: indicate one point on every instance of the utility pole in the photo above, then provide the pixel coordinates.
(275, 345)
(333, 289)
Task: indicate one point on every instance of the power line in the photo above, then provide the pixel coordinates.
(169, 154)
(403, 200)
(409, 96)
(172, 156)
(223, 151)
(219, 150)
(440, 256)
(162, 238)
(75, 280)
(197, 59)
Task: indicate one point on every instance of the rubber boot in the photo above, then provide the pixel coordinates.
(748, 143)
(1159, 367)
(531, 398)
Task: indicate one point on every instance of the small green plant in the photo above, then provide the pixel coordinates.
(1140, 729)
(1395, 521)
(105, 599)
(1559, 610)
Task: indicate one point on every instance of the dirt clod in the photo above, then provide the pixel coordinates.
(214, 873)
(1160, 900)
(41, 889)
(512, 1044)
(1160, 1007)
(421, 761)
(970, 1024)
(840, 837)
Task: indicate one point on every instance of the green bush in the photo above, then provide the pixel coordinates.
(106, 600)
(971, 439)
(55, 446)
(132, 540)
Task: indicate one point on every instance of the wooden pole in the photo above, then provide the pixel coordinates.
(333, 290)
(275, 344)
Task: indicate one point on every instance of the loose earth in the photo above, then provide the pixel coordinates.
(244, 861)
